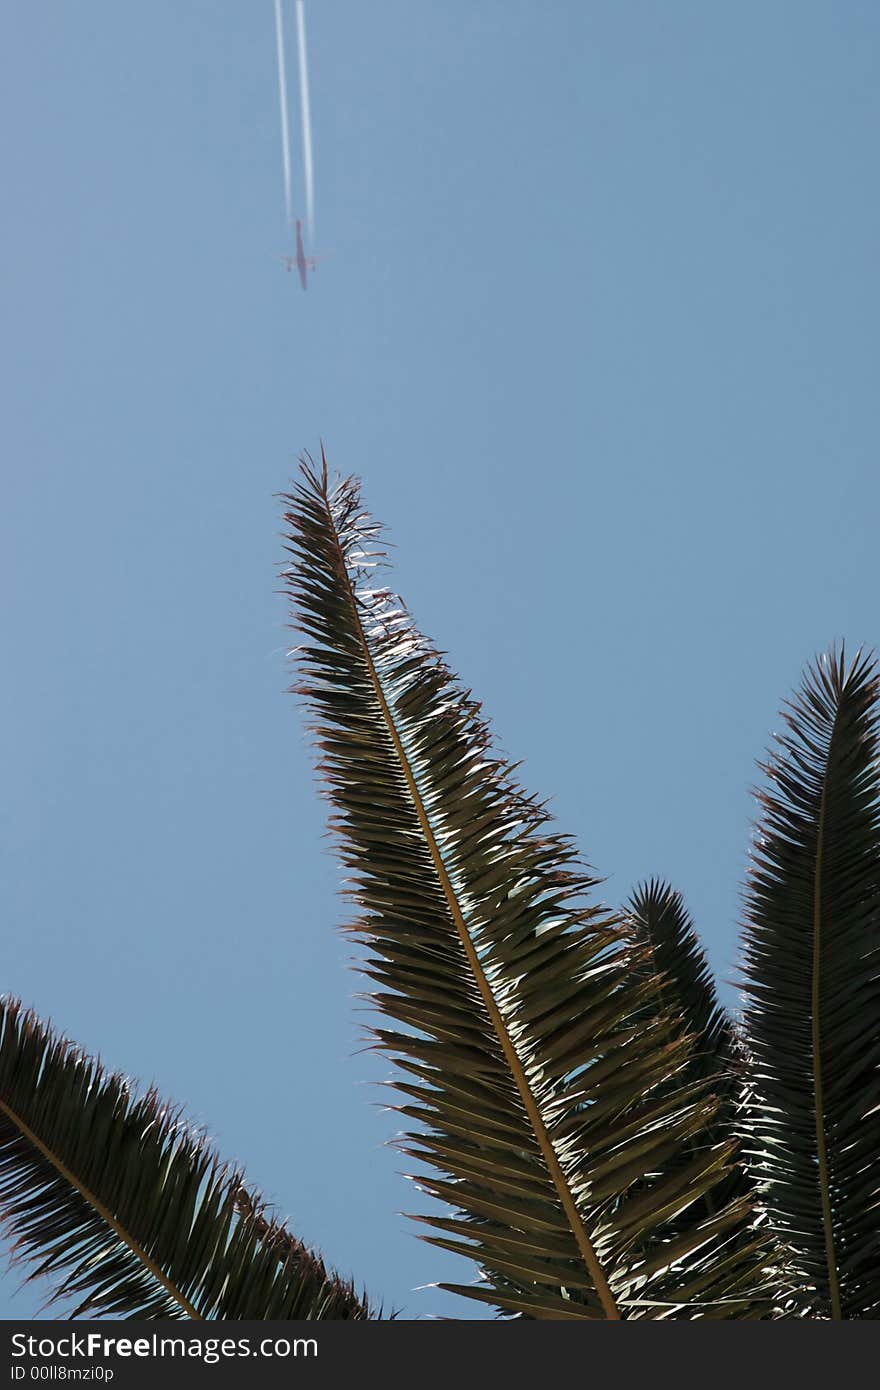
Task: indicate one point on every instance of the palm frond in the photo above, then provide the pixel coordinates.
(546, 1107)
(812, 980)
(687, 990)
(127, 1209)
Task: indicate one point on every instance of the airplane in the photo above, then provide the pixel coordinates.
(302, 262)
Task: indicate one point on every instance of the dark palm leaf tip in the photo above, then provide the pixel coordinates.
(544, 1095)
(127, 1208)
(664, 925)
(812, 983)
(686, 989)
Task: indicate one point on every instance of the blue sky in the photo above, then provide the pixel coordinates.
(599, 331)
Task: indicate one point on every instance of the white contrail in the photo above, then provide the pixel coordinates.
(306, 117)
(285, 125)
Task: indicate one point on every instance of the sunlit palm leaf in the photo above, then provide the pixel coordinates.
(546, 1102)
(127, 1209)
(812, 966)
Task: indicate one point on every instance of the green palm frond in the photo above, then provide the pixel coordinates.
(812, 979)
(128, 1210)
(687, 990)
(547, 1106)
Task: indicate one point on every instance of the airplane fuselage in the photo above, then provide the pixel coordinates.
(301, 256)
